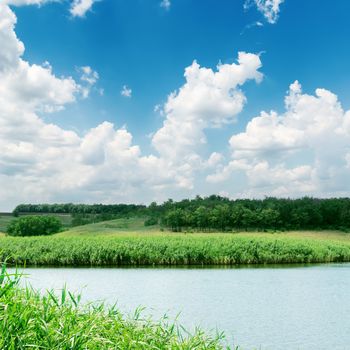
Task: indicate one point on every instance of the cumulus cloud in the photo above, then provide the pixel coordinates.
(302, 151)
(37, 159)
(40, 161)
(89, 78)
(208, 99)
(269, 8)
(27, 2)
(126, 92)
(79, 8)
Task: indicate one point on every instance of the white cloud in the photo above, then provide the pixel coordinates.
(79, 8)
(89, 78)
(251, 25)
(269, 8)
(40, 161)
(88, 75)
(11, 47)
(33, 87)
(43, 162)
(208, 99)
(166, 4)
(302, 151)
(27, 2)
(126, 92)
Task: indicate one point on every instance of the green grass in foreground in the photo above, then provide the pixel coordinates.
(173, 249)
(29, 320)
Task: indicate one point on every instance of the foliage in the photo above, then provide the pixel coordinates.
(70, 208)
(151, 221)
(34, 226)
(216, 213)
(173, 249)
(222, 214)
(31, 320)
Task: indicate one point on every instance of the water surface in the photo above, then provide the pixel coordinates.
(268, 308)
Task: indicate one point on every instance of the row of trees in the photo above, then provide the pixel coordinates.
(222, 218)
(216, 212)
(70, 208)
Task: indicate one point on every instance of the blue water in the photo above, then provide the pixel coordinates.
(267, 308)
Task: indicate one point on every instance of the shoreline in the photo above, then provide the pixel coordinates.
(172, 250)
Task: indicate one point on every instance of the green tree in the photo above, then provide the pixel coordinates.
(201, 217)
(237, 216)
(249, 218)
(220, 217)
(269, 218)
(175, 219)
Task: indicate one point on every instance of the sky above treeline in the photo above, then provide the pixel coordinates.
(142, 100)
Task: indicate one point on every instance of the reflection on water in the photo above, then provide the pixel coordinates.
(290, 307)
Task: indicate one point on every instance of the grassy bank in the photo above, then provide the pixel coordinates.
(170, 249)
(31, 321)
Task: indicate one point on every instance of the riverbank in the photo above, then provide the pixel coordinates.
(175, 249)
(31, 320)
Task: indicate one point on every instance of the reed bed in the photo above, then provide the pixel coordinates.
(29, 320)
(137, 250)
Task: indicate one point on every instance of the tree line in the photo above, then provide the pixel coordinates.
(70, 208)
(220, 213)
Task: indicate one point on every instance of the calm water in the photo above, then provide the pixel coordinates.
(263, 308)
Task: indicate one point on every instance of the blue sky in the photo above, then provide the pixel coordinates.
(146, 48)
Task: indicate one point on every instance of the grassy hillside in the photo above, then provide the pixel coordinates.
(125, 225)
(135, 226)
(118, 226)
(4, 222)
(129, 242)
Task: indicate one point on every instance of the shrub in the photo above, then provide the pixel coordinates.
(34, 226)
(151, 221)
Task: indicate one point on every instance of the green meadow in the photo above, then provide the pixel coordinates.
(29, 319)
(127, 242)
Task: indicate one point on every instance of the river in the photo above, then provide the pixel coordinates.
(268, 308)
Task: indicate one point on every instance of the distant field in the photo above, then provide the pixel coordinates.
(4, 221)
(128, 242)
(135, 226)
(118, 226)
(106, 227)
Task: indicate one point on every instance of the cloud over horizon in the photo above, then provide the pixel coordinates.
(40, 160)
(304, 150)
